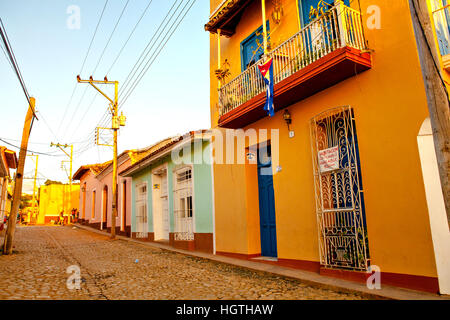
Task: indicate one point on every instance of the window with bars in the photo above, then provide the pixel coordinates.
(185, 175)
(141, 210)
(183, 205)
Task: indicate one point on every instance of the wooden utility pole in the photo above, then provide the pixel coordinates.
(117, 122)
(62, 147)
(7, 245)
(436, 92)
(115, 127)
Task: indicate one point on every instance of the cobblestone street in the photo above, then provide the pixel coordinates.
(127, 270)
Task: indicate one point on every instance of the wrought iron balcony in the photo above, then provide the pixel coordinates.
(325, 52)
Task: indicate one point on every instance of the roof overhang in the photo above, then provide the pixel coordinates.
(226, 17)
(79, 173)
(123, 157)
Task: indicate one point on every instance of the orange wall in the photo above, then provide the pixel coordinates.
(390, 106)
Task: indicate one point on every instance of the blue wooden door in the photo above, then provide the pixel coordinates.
(267, 206)
(252, 49)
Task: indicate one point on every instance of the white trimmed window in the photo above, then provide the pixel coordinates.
(141, 210)
(183, 204)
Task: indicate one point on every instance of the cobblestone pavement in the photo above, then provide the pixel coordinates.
(118, 269)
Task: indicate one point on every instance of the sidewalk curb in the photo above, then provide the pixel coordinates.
(311, 278)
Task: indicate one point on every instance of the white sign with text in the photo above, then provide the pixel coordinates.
(329, 159)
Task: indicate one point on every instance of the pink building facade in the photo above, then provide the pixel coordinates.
(103, 217)
(96, 191)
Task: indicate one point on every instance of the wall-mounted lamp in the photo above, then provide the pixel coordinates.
(287, 117)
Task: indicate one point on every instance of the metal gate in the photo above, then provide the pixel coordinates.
(343, 241)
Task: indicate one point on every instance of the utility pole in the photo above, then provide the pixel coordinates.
(7, 245)
(62, 147)
(116, 123)
(436, 92)
(33, 210)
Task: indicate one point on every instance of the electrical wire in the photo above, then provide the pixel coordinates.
(110, 37)
(139, 62)
(129, 37)
(82, 66)
(155, 55)
(15, 65)
(100, 58)
(28, 150)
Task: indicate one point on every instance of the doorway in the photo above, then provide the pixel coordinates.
(340, 205)
(124, 205)
(161, 204)
(105, 208)
(268, 230)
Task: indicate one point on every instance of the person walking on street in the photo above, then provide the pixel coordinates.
(61, 218)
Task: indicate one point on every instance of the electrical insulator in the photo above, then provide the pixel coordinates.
(122, 119)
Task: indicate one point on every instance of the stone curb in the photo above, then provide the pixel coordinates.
(340, 285)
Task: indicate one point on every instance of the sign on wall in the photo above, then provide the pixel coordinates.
(156, 186)
(329, 159)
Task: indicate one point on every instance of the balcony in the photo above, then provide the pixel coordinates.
(327, 51)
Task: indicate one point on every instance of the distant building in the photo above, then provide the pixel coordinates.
(95, 197)
(53, 199)
(8, 161)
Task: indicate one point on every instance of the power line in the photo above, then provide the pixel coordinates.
(155, 55)
(104, 118)
(7, 58)
(15, 66)
(82, 66)
(28, 150)
(100, 58)
(129, 37)
(93, 36)
(139, 62)
(110, 37)
(46, 124)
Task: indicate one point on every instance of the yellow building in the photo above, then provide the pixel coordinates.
(339, 189)
(54, 198)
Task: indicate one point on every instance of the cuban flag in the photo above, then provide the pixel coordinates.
(266, 70)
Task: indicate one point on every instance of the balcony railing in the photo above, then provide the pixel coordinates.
(441, 18)
(339, 27)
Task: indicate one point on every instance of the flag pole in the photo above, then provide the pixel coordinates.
(263, 9)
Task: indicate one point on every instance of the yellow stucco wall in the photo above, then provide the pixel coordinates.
(389, 104)
(54, 198)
